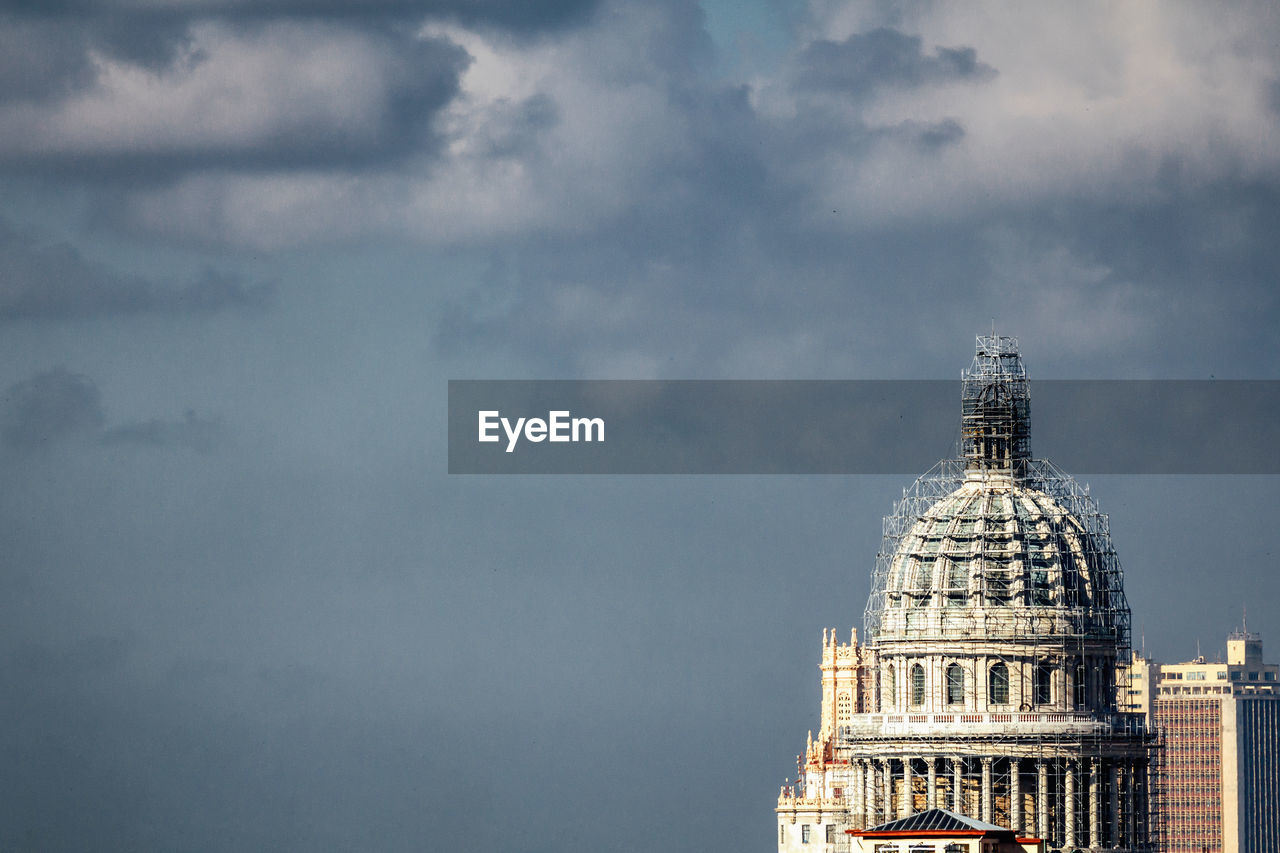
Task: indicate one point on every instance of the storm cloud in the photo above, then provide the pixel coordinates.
(885, 57)
(51, 407)
(57, 405)
(52, 281)
(286, 94)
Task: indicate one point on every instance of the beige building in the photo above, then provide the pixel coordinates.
(985, 682)
(1218, 782)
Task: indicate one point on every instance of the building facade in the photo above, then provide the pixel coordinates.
(1218, 781)
(985, 683)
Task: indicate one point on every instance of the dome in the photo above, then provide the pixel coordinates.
(996, 545)
(997, 557)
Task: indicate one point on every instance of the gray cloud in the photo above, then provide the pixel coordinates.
(530, 16)
(285, 94)
(42, 60)
(56, 406)
(927, 136)
(87, 88)
(50, 407)
(193, 432)
(885, 58)
(55, 282)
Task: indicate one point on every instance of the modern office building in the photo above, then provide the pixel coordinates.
(985, 682)
(1218, 781)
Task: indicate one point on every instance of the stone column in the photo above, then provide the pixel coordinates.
(957, 798)
(987, 795)
(1015, 798)
(908, 786)
(856, 806)
(931, 793)
(1117, 827)
(1142, 781)
(869, 800)
(1069, 806)
(1095, 803)
(1130, 803)
(1042, 800)
(886, 771)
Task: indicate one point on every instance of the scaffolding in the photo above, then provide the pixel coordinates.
(988, 679)
(995, 445)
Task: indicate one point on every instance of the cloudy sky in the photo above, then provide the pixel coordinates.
(244, 245)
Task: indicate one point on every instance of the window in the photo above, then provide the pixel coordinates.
(1082, 686)
(1040, 593)
(804, 833)
(831, 833)
(955, 684)
(782, 834)
(924, 575)
(1222, 675)
(1268, 676)
(1042, 688)
(917, 685)
(998, 684)
(891, 688)
(1235, 676)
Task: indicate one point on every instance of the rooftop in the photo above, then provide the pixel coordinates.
(937, 820)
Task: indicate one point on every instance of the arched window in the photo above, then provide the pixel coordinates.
(955, 684)
(892, 688)
(917, 685)
(1042, 686)
(998, 684)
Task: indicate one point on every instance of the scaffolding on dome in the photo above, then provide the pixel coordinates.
(1110, 607)
(1003, 565)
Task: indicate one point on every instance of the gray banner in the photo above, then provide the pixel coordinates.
(850, 427)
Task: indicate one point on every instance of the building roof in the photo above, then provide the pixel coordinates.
(938, 820)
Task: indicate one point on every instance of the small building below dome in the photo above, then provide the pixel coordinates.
(939, 831)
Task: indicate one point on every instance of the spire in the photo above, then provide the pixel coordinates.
(996, 406)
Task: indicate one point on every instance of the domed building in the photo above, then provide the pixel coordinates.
(985, 683)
